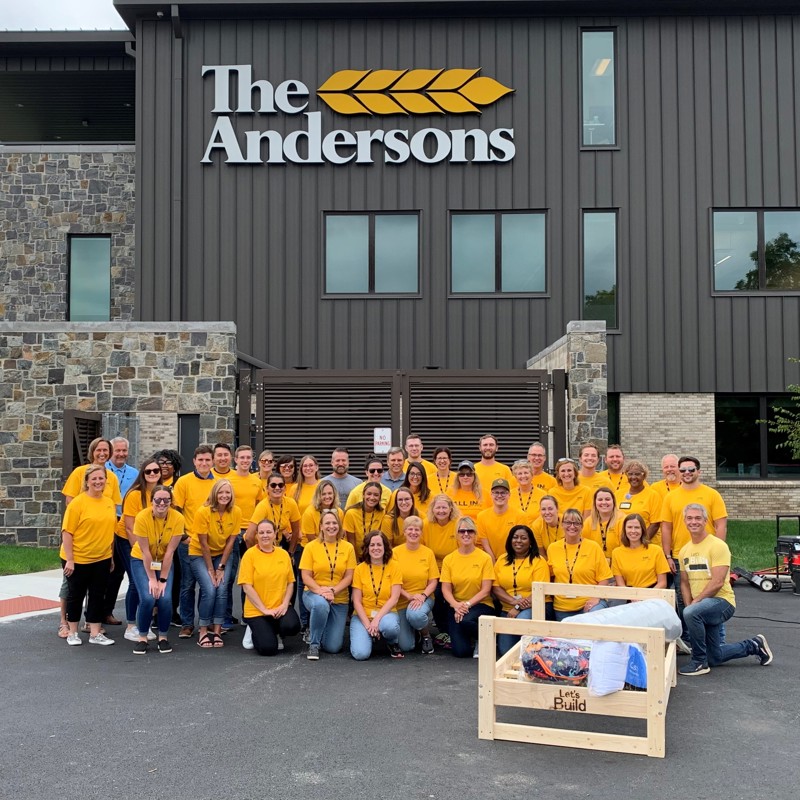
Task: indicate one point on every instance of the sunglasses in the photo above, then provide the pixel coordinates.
(468, 531)
(163, 501)
(156, 471)
(688, 469)
(375, 471)
(266, 460)
(277, 486)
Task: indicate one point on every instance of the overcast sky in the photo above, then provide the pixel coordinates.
(61, 15)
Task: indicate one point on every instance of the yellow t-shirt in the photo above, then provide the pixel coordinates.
(283, 514)
(327, 564)
(662, 488)
(487, 474)
(306, 495)
(466, 574)
(428, 466)
(697, 561)
(594, 482)
(517, 578)
(247, 492)
(131, 506)
(91, 521)
(579, 497)
(546, 534)
(357, 495)
(466, 502)
(375, 583)
(647, 503)
(545, 482)
(158, 532)
(189, 494)
(493, 528)
(585, 561)
(676, 501)
(607, 536)
(359, 523)
(440, 538)
(269, 574)
(418, 568)
(617, 483)
(309, 524)
(526, 505)
(74, 485)
(218, 530)
(639, 566)
(439, 485)
(387, 527)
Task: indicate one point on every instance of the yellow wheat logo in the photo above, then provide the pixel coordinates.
(414, 91)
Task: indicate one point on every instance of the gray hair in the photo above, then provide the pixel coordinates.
(696, 507)
(120, 439)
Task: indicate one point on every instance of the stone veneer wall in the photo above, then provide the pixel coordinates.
(168, 368)
(583, 355)
(46, 194)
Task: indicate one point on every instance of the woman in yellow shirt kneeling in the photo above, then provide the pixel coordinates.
(267, 578)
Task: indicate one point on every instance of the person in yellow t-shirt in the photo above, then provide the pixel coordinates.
(514, 571)
(489, 469)
(641, 499)
(439, 534)
(417, 481)
(525, 496)
(574, 559)
(170, 463)
(327, 568)
(589, 477)
(87, 542)
(537, 458)
(466, 580)
(365, 516)
(374, 472)
(547, 529)
(377, 582)
(637, 562)
(286, 467)
(282, 510)
(441, 479)
(604, 522)
(393, 522)
(267, 577)
(466, 491)
(98, 453)
(213, 536)
(614, 474)
(568, 490)
(494, 523)
(157, 531)
(307, 481)
(325, 497)
(420, 578)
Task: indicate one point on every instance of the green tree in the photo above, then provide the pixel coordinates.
(782, 261)
(602, 305)
(786, 420)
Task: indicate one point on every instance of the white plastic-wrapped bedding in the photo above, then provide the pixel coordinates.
(644, 614)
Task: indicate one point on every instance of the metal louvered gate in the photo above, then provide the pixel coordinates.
(298, 412)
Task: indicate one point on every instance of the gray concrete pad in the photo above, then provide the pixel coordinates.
(92, 722)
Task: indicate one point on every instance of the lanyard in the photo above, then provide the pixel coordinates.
(160, 543)
(619, 481)
(571, 567)
(276, 522)
(530, 495)
(603, 531)
(365, 530)
(439, 481)
(515, 572)
(335, 556)
(380, 585)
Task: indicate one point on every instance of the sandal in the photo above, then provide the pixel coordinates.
(205, 641)
(63, 630)
(216, 639)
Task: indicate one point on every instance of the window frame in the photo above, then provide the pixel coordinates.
(498, 252)
(70, 239)
(760, 246)
(370, 293)
(616, 143)
(616, 212)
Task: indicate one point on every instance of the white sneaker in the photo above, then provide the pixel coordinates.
(132, 634)
(682, 647)
(280, 643)
(475, 651)
(247, 639)
(73, 639)
(102, 639)
(151, 637)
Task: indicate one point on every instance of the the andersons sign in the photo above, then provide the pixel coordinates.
(372, 93)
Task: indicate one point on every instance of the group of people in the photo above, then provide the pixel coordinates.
(412, 547)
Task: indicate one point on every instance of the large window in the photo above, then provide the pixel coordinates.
(372, 253)
(746, 448)
(600, 266)
(89, 278)
(756, 251)
(598, 88)
(498, 252)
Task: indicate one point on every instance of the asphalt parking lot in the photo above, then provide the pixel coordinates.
(92, 722)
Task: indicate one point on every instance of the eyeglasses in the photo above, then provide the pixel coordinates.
(156, 471)
(164, 463)
(375, 470)
(162, 501)
(572, 524)
(277, 486)
(466, 474)
(688, 469)
(465, 531)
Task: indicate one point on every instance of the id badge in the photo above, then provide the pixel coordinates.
(373, 614)
(155, 565)
(624, 506)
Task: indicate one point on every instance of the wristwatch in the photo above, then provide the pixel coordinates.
(516, 607)
(162, 580)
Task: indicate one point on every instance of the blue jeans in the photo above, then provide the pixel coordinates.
(213, 599)
(361, 642)
(122, 558)
(147, 602)
(464, 633)
(327, 622)
(704, 621)
(235, 557)
(188, 586)
(560, 616)
(505, 641)
(412, 620)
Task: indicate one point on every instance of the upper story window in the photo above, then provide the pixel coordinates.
(371, 253)
(600, 267)
(498, 252)
(756, 251)
(89, 278)
(598, 88)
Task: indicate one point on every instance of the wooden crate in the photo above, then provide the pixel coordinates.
(499, 683)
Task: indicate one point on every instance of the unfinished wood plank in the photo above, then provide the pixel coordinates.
(573, 699)
(487, 709)
(586, 740)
